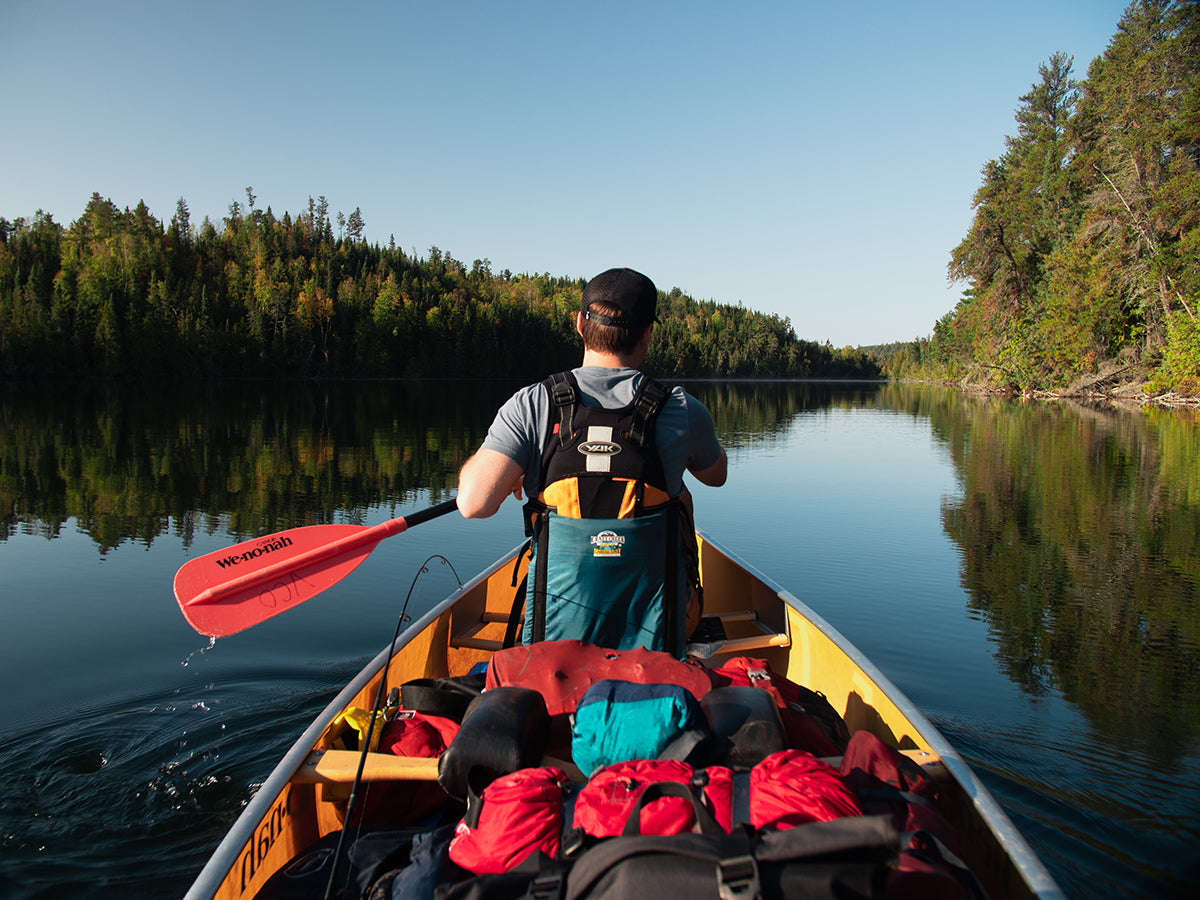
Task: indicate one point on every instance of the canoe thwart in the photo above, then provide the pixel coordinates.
(341, 766)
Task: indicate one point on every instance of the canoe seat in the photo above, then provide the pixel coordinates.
(471, 637)
(711, 636)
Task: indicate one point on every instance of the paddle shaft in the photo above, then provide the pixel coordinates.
(365, 538)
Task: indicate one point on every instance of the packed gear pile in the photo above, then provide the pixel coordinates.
(570, 770)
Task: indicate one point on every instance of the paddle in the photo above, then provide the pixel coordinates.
(227, 591)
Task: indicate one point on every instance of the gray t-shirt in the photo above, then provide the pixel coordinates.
(685, 433)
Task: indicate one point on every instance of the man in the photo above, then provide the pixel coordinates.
(527, 450)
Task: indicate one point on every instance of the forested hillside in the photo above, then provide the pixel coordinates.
(119, 292)
(1083, 258)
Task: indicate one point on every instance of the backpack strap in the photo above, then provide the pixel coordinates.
(671, 612)
(705, 822)
(512, 630)
(649, 400)
(741, 798)
(564, 397)
(540, 573)
(737, 870)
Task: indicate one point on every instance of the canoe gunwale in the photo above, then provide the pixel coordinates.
(225, 857)
(990, 812)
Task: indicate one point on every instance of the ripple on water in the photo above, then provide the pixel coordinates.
(1090, 822)
(99, 799)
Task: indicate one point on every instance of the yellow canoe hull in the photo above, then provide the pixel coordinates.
(298, 804)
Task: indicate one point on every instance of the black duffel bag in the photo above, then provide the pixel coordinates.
(841, 859)
(845, 858)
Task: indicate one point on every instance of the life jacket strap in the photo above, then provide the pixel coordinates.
(649, 400)
(563, 399)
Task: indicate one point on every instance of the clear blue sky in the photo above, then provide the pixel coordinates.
(814, 160)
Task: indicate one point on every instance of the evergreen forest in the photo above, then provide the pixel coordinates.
(1081, 267)
(120, 293)
(1082, 262)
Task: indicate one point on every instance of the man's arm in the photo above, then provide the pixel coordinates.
(484, 481)
(714, 475)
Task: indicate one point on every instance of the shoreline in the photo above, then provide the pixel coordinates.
(1125, 394)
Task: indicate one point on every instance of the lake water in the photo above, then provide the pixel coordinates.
(1025, 572)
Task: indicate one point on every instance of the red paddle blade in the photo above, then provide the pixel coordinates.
(227, 591)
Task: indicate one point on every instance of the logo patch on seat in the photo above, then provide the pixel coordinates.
(607, 543)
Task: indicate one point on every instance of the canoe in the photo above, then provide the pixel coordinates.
(303, 799)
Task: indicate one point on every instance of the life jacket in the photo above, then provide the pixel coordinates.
(613, 558)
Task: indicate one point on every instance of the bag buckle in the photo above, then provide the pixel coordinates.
(737, 878)
(547, 886)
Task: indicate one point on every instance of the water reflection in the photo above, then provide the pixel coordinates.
(132, 462)
(749, 413)
(1079, 528)
(1080, 534)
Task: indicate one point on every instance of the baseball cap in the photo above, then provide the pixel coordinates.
(631, 292)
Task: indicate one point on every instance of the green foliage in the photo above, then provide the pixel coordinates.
(1085, 242)
(1082, 321)
(1180, 367)
(119, 293)
(1023, 215)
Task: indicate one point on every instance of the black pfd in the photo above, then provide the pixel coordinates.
(613, 554)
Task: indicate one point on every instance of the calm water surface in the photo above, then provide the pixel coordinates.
(1026, 573)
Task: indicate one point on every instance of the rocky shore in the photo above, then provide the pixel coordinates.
(1123, 386)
